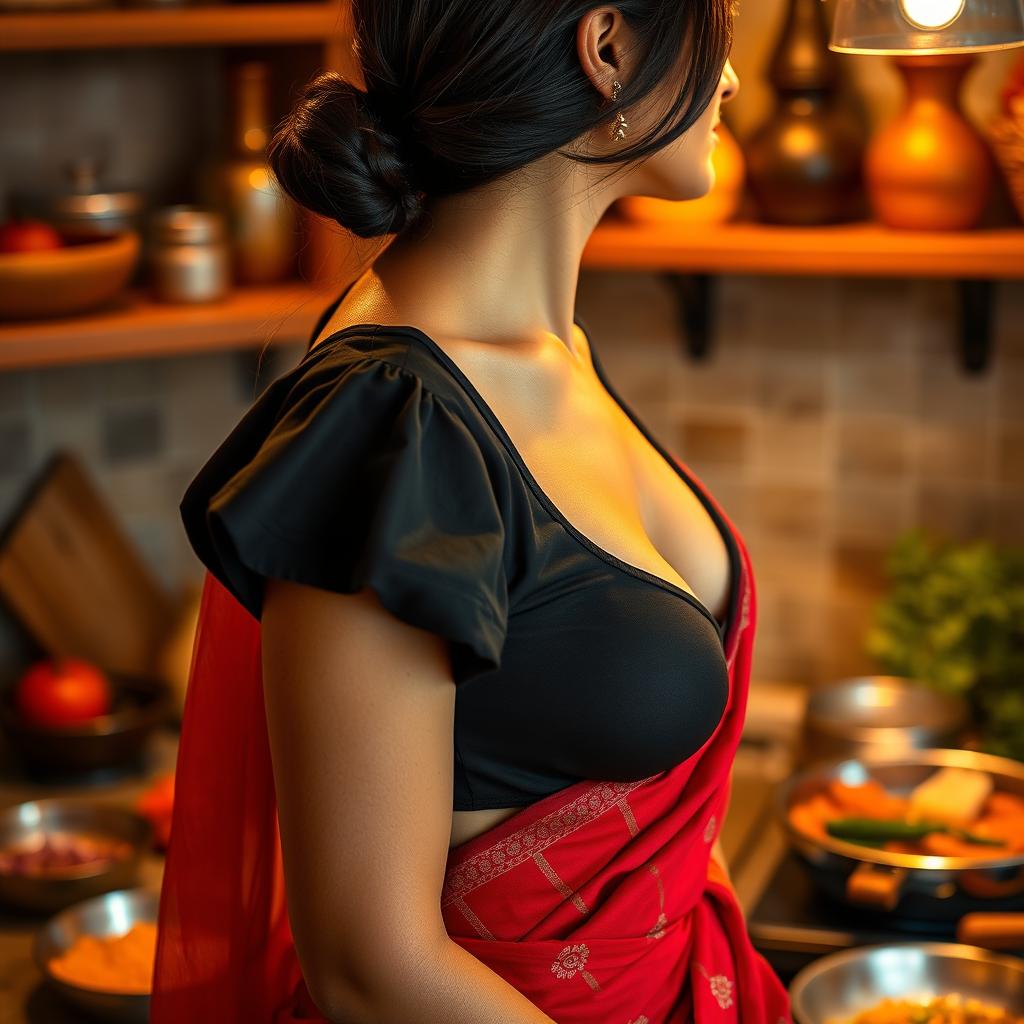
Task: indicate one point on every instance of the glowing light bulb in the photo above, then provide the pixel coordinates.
(931, 14)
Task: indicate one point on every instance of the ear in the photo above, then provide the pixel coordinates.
(602, 41)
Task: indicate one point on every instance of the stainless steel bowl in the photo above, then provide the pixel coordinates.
(834, 988)
(59, 814)
(879, 714)
(114, 913)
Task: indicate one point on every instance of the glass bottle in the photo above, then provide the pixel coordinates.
(262, 221)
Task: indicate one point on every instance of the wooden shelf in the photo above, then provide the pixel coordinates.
(692, 254)
(215, 25)
(250, 317)
(136, 326)
(859, 249)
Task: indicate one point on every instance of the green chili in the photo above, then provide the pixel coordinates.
(881, 830)
(878, 831)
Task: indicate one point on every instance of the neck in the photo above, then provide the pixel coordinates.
(501, 262)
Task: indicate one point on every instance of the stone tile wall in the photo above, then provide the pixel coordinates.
(830, 416)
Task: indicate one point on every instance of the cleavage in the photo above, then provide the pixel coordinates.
(586, 455)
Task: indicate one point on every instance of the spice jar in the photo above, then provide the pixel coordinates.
(190, 259)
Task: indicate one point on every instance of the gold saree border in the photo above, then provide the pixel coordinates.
(519, 846)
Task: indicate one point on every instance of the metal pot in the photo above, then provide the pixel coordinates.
(924, 888)
(88, 211)
(865, 714)
(843, 984)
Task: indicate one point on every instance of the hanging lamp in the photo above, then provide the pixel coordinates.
(929, 168)
(926, 26)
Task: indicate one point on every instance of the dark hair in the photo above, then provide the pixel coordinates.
(461, 92)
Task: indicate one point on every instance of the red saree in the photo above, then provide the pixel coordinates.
(601, 902)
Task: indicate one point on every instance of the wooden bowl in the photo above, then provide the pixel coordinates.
(72, 279)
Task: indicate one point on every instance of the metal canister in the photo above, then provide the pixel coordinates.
(87, 209)
(879, 714)
(190, 259)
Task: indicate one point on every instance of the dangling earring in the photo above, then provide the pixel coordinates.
(618, 130)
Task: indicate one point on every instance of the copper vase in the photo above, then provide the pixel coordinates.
(929, 168)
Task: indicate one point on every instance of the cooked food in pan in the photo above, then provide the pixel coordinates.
(951, 1009)
(955, 812)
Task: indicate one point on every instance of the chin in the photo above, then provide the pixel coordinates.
(703, 182)
(693, 180)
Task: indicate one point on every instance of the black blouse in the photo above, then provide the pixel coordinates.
(376, 462)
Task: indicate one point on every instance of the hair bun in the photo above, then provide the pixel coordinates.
(334, 155)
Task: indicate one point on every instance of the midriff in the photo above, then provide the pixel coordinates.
(468, 825)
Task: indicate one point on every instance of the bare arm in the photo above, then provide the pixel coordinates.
(360, 714)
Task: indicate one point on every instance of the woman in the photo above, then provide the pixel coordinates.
(474, 648)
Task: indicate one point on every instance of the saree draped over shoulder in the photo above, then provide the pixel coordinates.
(600, 902)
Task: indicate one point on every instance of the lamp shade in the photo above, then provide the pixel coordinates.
(926, 26)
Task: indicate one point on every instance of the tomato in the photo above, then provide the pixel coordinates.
(28, 236)
(63, 692)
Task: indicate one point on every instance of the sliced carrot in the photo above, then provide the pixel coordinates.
(942, 845)
(810, 815)
(869, 799)
(902, 846)
(1002, 803)
(1009, 829)
(804, 819)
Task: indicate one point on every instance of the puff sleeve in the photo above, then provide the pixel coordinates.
(354, 477)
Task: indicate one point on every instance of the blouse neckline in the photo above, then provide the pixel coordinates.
(553, 510)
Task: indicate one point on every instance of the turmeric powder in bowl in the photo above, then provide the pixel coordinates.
(121, 964)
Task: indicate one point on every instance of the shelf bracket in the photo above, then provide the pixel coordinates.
(695, 301)
(977, 299)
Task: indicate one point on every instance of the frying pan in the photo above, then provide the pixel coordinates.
(983, 895)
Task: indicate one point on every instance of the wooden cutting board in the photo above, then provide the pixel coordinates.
(74, 579)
